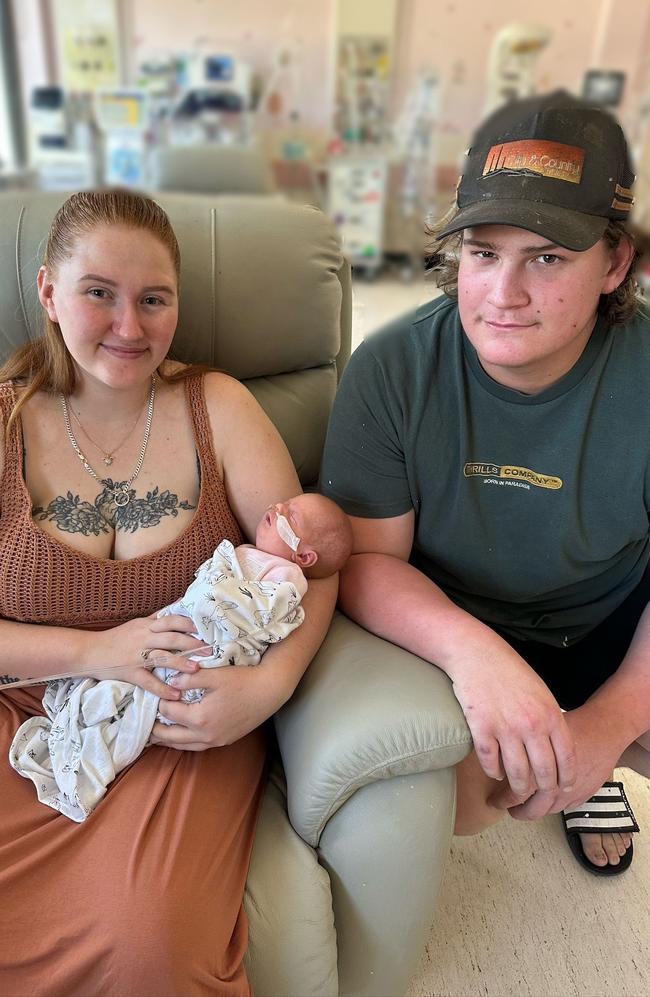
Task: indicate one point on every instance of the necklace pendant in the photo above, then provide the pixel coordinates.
(121, 495)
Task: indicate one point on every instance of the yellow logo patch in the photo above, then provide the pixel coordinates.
(513, 473)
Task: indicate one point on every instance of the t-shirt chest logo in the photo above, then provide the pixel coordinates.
(511, 474)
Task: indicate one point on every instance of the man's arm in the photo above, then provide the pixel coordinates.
(518, 728)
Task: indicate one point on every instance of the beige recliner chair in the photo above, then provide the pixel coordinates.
(211, 169)
(350, 850)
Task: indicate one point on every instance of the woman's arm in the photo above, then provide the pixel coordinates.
(257, 471)
(31, 653)
(256, 466)
(518, 728)
(35, 653)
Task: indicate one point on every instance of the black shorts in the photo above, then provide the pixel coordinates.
(574, 673)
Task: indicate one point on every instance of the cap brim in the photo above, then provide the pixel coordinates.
(570, 229)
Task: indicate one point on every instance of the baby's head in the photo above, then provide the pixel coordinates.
(309, 530)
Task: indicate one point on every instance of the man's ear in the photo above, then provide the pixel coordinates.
(620, 261)
(306, 558)
(45, 289)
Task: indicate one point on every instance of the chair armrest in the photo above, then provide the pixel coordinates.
(365, 710)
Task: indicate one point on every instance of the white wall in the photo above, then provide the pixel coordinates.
(366, 17)
(453, 39)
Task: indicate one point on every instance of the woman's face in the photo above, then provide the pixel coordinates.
(115, 300)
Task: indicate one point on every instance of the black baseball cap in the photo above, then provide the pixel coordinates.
(555, 164)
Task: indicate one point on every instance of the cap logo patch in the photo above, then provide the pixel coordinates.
(622, 192)
(537, 157)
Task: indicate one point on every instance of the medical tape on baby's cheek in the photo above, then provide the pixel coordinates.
(286, 533)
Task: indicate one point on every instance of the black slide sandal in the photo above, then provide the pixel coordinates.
(608, 811)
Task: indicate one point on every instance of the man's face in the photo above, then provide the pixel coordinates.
(527, 305)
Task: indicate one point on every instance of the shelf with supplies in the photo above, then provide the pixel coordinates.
(356, 201)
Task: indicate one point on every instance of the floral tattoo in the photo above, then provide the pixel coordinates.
(74, 515)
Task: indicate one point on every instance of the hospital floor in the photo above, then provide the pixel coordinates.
(517, 916)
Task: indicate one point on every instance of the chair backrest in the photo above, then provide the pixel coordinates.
(265, 296)
(211, 169)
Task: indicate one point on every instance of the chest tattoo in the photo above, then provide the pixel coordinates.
(74, 515)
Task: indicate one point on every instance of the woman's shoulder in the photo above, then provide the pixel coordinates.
(216, 383)
(233, 412)
(224, 393)
(221, 393)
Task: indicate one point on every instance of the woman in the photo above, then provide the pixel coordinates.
(494, 454)
(121, 472)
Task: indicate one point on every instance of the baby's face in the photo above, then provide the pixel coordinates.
(297, 513)
(267, 535)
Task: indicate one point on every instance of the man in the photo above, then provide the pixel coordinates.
(494, 453)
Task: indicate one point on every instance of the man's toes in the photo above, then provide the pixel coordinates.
(611, 849)
(623, 842)
(592, 846)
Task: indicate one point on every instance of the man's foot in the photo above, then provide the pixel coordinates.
(605, 849)
(599, 832)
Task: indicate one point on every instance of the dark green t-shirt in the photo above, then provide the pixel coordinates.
(531, 510)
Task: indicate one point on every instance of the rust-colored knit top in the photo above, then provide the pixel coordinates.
(45, 581)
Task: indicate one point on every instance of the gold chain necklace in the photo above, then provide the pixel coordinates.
(120, 492)
(107, 458)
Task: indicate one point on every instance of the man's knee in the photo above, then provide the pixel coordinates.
(637, 756)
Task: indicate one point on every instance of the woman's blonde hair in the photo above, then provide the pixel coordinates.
(619, 306)
(45, 363)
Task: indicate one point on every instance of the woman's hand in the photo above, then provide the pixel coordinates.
(117, 654)
(520, 733)
(238, 699)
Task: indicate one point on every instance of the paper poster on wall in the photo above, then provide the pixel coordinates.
(89, 43)
(90, 58)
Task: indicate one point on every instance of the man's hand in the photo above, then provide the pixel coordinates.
(520, 733)
(599, 746)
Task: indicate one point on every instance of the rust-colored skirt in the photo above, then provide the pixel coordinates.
(143, 898)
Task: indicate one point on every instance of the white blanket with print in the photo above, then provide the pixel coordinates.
(93, 729)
